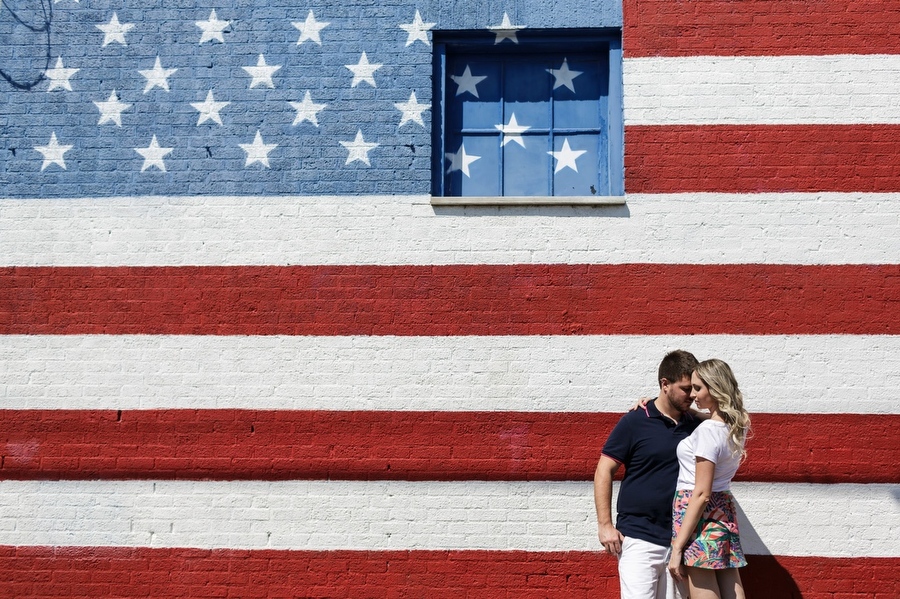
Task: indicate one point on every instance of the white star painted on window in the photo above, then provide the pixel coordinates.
(59, 76)
(566, 157)
(417, 30)
(564, 75)
(460, 161)
(261, 73)
(307, 110)
(310, 28)
(258, 151)
(358, 149)
(209, 109)
(506, 30)
(157, 76)
(153, 155)
(115, 31)
(412, 110)
(467, 82)
(512, 131)
(212, 28)
(111, 110)
(53, 152)
(363, 71)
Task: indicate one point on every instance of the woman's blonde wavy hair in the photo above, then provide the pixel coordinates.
(723, 387)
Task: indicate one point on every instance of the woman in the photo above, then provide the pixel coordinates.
(706, 547)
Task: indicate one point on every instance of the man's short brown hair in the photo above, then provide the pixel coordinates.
(675, 365)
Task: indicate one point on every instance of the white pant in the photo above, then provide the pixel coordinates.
(643, 573)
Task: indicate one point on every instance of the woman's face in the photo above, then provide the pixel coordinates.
(700, 394)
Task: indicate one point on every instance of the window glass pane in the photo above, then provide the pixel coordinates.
(472, 166)
(576, 166)
(526, 169)
(526, 93)
(466, 78)
(581, 85)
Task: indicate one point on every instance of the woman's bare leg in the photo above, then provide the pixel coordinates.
(703, 583)
(730, 584)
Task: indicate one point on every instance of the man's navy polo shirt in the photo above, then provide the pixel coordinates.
(644, 442)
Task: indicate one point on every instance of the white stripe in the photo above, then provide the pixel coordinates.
(681, 228)
(771, 90)
(780, 519)
(781, 374)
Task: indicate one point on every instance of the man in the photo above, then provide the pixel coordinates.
(644, 441)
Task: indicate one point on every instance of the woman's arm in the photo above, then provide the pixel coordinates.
(706, 471)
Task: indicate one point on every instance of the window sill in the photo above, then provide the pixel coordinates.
(528, 201)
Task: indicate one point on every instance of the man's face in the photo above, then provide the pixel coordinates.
(679, 393)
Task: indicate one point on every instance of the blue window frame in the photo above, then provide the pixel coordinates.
(539, 118)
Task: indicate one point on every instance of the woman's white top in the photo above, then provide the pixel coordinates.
(710, 441)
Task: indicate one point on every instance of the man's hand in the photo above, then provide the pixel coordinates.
(611, 539)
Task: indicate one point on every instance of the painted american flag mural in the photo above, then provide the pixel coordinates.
(265, 365)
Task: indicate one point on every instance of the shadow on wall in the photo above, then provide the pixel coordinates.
(764, 576)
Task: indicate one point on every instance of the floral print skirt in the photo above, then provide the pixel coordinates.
(716, 544)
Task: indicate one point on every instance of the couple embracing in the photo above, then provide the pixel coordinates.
(676, 516)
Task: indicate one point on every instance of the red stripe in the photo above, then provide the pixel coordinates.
(90, 572)
(642, 299)
(762, 158)
(281, 445)
(760, 27)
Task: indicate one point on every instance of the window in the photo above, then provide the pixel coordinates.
(538, 120)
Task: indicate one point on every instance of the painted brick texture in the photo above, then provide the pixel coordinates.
(760, 159)
(40, 573)
(451, 300)
(290, 445)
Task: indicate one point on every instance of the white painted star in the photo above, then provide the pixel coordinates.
(467, 82)
(564, 75)
(512, 131)
(59, 76)
(566, 157)
(417, 30)
(460, 161)
(261, 73)
(53, 152)
(258, 151)
(153, 155)
(212, 28)
(412, 110)
(358, 149)
(115, 31)
(307, 110)
(111, 110)
(310, 28)
(363, 71)
(209, 109)
(506, 30)
(157, 76)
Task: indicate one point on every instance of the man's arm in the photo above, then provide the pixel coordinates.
(610, 537)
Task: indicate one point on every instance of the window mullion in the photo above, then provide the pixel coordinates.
(551, 138)
(502, 158)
